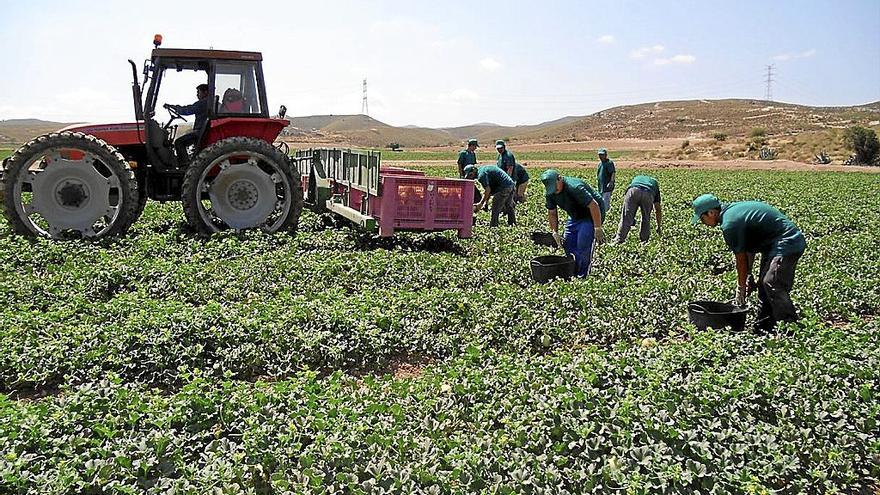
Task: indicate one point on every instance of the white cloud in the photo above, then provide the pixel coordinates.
(782, 57)
(677, 59)
(606, 39)
(490, 63)
(646, 50)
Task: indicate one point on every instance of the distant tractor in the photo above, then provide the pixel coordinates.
(93, 181)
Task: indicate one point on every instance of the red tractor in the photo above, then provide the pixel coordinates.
(92, 181)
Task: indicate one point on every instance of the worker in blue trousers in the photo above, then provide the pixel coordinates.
(586, 212)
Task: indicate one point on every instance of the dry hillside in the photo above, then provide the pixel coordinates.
(704, 118)
(17, 131)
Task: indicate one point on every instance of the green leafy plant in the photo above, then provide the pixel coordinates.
(335, 361)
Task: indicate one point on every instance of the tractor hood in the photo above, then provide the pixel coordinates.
(115, 134)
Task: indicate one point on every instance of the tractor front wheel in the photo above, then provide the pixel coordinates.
(241, 183)
(68, 184)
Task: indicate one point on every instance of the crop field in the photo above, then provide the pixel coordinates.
(338, 362)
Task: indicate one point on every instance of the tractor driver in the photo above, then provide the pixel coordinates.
(200, 110)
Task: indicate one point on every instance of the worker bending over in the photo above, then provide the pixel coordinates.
(642, 194)
(586, 212)
(497, 185)
(755, 227)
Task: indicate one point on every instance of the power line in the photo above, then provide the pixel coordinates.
(768, 95)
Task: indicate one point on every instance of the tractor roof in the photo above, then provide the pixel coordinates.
(195, 55)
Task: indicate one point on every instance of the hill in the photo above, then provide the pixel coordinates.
(703, 118)
(17, 131)
(361, 130)
(680, 120)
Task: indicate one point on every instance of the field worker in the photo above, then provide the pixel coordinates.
(200, 110)
(506, 160)
(521, 179)
(497, 185)
(467, 156)
(756, 227)
(643, 193)
(606, 174)
(585, 216)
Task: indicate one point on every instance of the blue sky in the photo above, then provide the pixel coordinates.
(449, 63)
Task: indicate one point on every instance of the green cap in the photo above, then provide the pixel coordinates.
(703, 204)
(468, 169)
(602, 151)
(499, 143)
(549, 178)
(472, 141)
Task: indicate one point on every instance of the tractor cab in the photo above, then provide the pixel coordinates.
(236, 97)
(93, 180)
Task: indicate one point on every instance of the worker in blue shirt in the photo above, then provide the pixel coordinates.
(751, 227)
(497, 185)
(586, 212)
(200, 110)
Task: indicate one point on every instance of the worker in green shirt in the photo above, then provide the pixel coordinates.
(506, 160)
(467, 156)
(497, 185)
(521, 179)
(643, 194)
(586, 212)
(755, 227)
(606, 174)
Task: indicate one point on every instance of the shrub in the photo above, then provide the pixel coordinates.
(863, 142)
(720, 136)
(685, 144)
(758, 132)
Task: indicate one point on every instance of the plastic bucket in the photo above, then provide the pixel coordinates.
(546, 268)
(543, 239)
(704, 314)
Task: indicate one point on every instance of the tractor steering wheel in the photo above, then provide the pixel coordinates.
(174, 115)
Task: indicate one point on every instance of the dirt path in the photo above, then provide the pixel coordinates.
(782, 165)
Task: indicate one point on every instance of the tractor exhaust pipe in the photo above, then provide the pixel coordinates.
(136, 92)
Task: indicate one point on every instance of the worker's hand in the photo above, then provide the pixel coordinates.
(557, 239)
(751, 285)
(600, 235)
(740, 299)
(477, 207)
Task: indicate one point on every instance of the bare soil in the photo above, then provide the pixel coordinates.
(781, 165)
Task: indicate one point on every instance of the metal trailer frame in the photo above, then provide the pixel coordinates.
(352, 183)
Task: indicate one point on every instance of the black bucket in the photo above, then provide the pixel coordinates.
(543, 239)
(713, 314)
(546, 268)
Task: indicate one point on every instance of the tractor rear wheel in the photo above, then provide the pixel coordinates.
(241, 183)
(68, 184)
